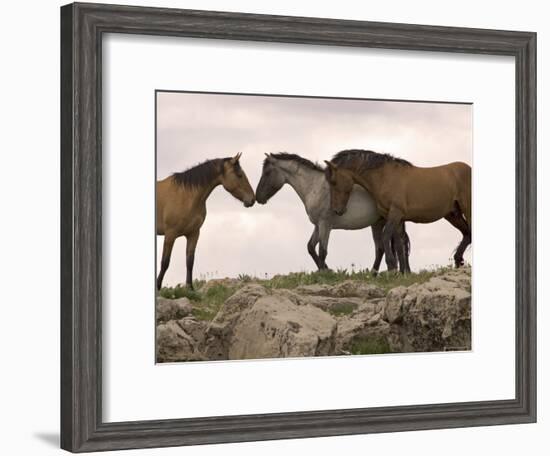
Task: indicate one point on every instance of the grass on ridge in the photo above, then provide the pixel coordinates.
(384, 280)
(208, 303)
(205, 305)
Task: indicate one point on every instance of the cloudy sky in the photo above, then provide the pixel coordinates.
(272, 238)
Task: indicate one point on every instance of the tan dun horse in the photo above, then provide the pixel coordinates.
(181, 204)
(404, 192)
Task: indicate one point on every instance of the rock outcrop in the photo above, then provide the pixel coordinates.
(172, 309)
(275, 327)
(352, 317)
(431, 316)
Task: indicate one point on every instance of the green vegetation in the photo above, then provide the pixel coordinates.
(384, 280)
(245, 278)
(211, 301)
(179, 291)
(370, 346)
(207, 303)
(346, 308)
(209, 298)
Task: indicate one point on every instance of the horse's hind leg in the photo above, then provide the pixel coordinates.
(324, 234)
(312, 244)
(377, 229)
(456, 219)
(192, 240)
(165, 261)
(465, 206)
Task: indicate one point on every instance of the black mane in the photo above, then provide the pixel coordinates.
(201, 174)
(293, 157)
(365, 159)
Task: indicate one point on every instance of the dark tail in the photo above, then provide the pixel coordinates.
(406, 240)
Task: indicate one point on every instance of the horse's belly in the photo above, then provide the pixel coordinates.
(361, 211)
(192, 225)
(429, 211)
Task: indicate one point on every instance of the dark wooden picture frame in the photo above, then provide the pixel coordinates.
(82, 29)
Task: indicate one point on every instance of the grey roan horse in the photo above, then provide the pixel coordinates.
(308, 180)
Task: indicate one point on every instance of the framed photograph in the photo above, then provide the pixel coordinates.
(280, 227)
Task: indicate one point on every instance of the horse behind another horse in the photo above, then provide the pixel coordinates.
(404, 192)
(308, 181)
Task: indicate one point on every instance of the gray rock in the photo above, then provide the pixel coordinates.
(357, 288)
(220, 331)
(365, 325)
(275, 327)
(317, 289)
(347, 289)
(172, 309)
(433, 316)
(326, 303)
(180, 340)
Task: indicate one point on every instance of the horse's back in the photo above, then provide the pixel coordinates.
(177, 209)
(455, 174)
(462, 171)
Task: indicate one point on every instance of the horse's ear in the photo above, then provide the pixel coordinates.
(236, 158)
(330, 166)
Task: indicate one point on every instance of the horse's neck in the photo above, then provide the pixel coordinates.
(202, 193)
(305, 182)
(371, 179)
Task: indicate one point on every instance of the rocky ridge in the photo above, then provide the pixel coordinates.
(352, 317)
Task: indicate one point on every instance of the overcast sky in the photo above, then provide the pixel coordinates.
(272, 238)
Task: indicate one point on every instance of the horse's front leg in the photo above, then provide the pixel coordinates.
(377, 230)
(169, 240)
(192, 240)
(311, 246)
(324, 234)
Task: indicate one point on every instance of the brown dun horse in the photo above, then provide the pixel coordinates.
(404, 192)
(181, 204)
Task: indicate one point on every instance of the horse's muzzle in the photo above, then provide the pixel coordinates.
(249, 203)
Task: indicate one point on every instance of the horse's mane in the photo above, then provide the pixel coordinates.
(365, 159)
(201, 174)
(297, 158)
